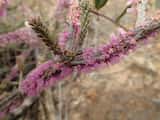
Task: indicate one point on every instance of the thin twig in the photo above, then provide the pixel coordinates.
(117, 20)
(109, 19)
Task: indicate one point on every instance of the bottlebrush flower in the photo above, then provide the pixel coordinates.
(74, 12)
(63, 38)
(61, 9)
(69, 37)
(73, 16)
(88, 56)
(44, 76)
(107, 54)
(119, 46)
(23, 35)
(3, 7)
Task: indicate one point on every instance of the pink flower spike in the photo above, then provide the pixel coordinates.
(44, 76)
(3, 7)
(88, 56)
(113, 38)
(63, 38)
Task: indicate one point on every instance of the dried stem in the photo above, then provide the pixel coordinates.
(122, 14)
(109, 19)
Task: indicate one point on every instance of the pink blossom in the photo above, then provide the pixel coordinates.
(23, 35)
(74, 12)
(69, 10)
(61, 9)
(3, 7)
(74, 17)
(88, 56)
(44, 76)
(108, 54)
(63, 38)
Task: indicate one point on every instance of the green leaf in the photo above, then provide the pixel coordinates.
(100, 3)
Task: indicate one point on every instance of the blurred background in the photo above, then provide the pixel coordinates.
(129, 90)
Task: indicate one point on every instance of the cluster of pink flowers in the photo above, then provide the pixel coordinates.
(74, 17)
(63, 38)
(108, 54)
(19, 36)
(88, 56)
(3, 7)
(44, 76)
(73, 28)
(62, 8)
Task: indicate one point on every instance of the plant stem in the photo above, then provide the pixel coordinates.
(122, 14)
(108, 18)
